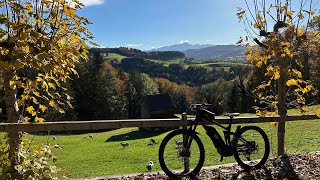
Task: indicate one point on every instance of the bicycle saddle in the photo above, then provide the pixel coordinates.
(231, 115)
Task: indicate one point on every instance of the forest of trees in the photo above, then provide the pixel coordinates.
(131, 52)
(115, 91)
(191, 76)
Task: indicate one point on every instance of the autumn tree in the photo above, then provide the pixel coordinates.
(46, 36)
(137, 87)
(281, 37)
(97, 94)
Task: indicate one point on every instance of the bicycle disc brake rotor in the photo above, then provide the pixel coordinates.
(250, 148)
(183, 154)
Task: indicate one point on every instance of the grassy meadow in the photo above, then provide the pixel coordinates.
(82, 156)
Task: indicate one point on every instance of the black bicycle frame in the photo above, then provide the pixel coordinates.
(227, 132)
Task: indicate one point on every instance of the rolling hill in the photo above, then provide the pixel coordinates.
(218, 53)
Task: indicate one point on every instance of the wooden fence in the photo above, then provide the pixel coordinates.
(114, 124)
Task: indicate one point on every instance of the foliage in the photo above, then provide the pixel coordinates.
(98, 93)
(40, 41)
(191, 76)
(282, 51)
(48, 37)
(137, 87)
(182, 95)
(216, 94)
(38, 161)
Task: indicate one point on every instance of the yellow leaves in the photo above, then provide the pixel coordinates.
(52, 104)
(69, 11)
(26, 49)
(11, 83)
(307, 89)
(51, 85)
(249, 57)
(270, 71)
(257, 25)
(285, 44)
(42, 107)
(37, 119)
(273, 123)
(300, 32)
(287, 52)
(292, 82)
(276, 75)
(289, 13)
(26, 119)
(31, 110)
(36, 93)
(240, 14)
(298, 73)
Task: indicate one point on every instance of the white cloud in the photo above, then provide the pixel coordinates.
(91, 2)
(183, 41)
(134, 45)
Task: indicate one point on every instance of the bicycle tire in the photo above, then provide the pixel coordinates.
(162, 159)
(238, 147)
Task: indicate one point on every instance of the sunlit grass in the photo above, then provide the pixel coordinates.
(103, 154)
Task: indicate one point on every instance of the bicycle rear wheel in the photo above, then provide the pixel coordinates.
(173, 155)
(251, 147)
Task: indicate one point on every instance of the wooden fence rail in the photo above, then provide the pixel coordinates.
(114, 124)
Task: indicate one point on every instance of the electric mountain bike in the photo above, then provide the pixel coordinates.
(249, 145)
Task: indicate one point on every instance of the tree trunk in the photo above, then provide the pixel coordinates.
(14, 138)
(282, 108)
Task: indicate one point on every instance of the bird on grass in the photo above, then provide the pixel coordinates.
(150, 165)
(89, 137)
(124, 144)
(152, 142)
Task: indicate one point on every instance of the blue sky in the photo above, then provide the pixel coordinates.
(144, 24)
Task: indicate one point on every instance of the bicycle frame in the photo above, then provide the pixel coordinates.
(227, 130)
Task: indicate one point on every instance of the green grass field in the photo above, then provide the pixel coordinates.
(115, 56)
(103, 154)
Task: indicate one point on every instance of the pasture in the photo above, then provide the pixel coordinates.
(101, 154)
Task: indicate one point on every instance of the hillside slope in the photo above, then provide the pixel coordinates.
(218, 53)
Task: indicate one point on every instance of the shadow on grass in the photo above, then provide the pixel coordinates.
(133, 135)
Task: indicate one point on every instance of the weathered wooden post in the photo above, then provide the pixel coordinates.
(282, 107)
(184, 127)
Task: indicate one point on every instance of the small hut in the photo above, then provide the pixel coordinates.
(159, 106)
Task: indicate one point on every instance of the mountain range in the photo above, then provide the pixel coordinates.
(181, 47)
(207, 52)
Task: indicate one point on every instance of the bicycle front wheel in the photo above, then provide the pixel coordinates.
(251, 147)
(173, 156)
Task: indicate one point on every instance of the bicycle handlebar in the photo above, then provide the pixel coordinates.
(197, 107)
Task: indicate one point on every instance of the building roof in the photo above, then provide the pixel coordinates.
(159, 102)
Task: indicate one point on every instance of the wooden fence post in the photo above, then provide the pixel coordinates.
(184, 127)
(282, 108)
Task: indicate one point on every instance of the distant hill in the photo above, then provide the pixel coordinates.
(218, 53)
(181, 47)
(131, 52)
